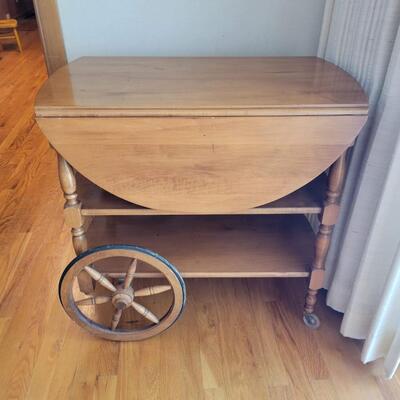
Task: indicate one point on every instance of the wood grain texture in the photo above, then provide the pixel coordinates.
(72, 207)
(9, 30)
(134, 86)
(122, 299)
(218, 246)
(73, 216)
(210, 164)
(8, 23)
(45, 356)
(98, 202)
(201, 164)
(336, 177)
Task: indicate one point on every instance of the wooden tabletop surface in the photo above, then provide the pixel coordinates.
(133, 86)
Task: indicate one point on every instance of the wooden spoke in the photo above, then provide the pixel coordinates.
(130, 274)
(145, 312)
(100, 278)
(115, 319)
(93, 300)
(149, 291)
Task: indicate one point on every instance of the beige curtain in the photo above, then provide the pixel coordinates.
(363, 265)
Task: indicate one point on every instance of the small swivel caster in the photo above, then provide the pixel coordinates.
(311, 321)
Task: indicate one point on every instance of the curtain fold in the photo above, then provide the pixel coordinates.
(361, 36)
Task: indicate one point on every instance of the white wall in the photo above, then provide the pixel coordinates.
(191, 27)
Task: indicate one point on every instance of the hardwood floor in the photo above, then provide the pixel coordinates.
(238, 339)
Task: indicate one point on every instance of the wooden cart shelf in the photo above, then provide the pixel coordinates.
(216, 246)
(97, 202)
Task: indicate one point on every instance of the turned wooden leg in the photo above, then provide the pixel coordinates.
(74, 218)
(18, 40)
(328, 219)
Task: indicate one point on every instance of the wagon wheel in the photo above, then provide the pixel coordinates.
(121, 296)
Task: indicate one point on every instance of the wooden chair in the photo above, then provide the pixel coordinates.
(11, 32)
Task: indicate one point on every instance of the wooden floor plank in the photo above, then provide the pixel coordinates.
(276, 374)
(345, 352)
(205, 316)
(49, 355)
(244, 367)
(309, 352)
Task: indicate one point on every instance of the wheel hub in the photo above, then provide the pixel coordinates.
(122, 298)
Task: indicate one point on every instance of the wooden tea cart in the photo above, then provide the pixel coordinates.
(210, 163)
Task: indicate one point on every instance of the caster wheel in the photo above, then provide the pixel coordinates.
(311, 321)
(120, 308)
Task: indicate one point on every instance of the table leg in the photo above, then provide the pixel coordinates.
(328, 219)
(73, 217)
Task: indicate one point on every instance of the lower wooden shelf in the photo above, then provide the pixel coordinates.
(215, 246)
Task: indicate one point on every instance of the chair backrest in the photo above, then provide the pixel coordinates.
(8, 23)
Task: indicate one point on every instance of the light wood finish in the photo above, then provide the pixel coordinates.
(17, 38)
(130, 274)
(68, 185)
(206, 136)
(218, 246)
(328, 220)
(98, 202)
(145, 312)
(73, 217)
(8, 23)
(10, 26)
(100, 279)
(44, 355)
(200, 165)
(90, 301)
(122, 296)
(149, 291)
(134, 86)
(116, 318)
(51, 34)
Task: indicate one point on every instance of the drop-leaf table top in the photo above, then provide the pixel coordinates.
(201, 134)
